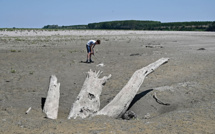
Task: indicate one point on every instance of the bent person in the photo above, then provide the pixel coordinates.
(90, 49)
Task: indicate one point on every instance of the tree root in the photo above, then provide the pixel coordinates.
(159, 101)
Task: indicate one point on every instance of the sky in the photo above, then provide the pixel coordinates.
(38, 13)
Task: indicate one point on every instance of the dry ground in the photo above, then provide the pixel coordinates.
(186, 82)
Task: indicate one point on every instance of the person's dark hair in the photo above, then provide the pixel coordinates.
(98, 41)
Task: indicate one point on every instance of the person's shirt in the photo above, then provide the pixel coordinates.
(91, 42)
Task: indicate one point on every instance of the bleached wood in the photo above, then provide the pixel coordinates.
(52, 100)
(88, 100)
(29, 109)
(118, 106)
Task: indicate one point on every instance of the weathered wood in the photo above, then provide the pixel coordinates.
(29, 109)
(52, 100)
(118, 106)
(88, 100)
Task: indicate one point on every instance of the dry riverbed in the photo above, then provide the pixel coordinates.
(185, 85)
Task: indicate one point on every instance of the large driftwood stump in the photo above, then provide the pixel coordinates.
(118, 106)
(88, 100)
(52, 100)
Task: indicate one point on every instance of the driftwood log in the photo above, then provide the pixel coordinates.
(88, 100)
(87, 103)
(118, 106)
(52, 100)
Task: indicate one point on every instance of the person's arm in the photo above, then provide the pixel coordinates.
(92, 49)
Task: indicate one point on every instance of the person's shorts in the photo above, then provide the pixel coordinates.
(88, 49)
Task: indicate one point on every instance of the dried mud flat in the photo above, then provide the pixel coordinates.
(186, 82)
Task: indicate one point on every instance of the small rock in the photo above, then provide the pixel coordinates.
(137, 54)
(147, 116)
(129, 115)
(201, 49)
(101, 65)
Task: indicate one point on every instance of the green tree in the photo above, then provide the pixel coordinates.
(211, 27)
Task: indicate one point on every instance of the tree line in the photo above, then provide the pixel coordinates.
(143, 25)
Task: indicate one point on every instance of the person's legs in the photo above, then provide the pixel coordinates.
(90, 58)
(88, 54)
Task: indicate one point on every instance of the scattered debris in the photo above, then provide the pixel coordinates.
(29, 109)
(101, 65)
(201, 49)
(154, 46)
(137, 54)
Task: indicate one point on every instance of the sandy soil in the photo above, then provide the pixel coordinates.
(186, 82)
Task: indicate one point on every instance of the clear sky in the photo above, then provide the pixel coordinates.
(38, 13)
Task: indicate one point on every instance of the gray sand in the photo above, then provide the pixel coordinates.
(186, 82)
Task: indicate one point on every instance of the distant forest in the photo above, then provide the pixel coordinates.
(143, 25)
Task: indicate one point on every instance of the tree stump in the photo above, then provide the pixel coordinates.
(52, 100)
(88, 100)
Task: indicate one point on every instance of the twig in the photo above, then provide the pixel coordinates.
(159, 101)
(29, 109)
